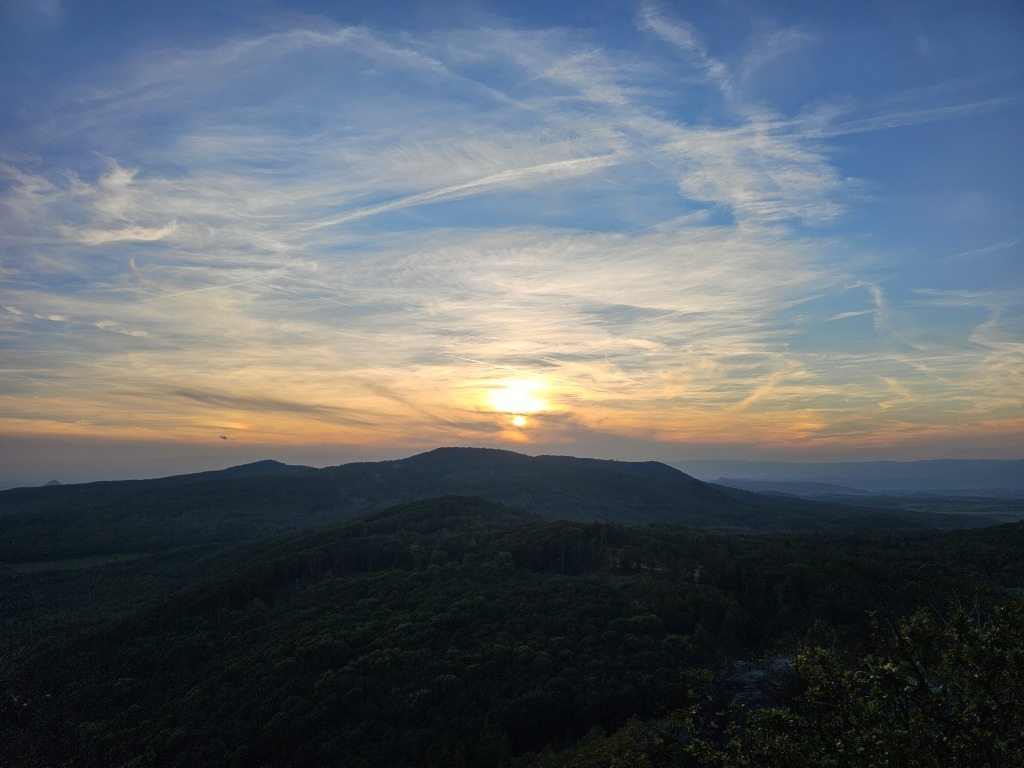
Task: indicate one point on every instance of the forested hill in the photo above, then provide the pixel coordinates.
(68, 495)
(451, 632)
(265, 498)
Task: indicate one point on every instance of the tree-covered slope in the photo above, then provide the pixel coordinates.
(446, 632)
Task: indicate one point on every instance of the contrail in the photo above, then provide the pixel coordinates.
(570, 167)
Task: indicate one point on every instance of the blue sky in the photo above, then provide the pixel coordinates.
(635, 230)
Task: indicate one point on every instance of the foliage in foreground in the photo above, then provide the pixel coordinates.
(935, 692)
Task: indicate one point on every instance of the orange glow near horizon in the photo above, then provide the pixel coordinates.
(805, 437)
(460, 406)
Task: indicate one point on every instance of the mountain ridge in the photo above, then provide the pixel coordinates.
(262, 499)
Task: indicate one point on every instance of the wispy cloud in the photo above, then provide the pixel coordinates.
(833, 125)
(681, 35)
(771, 46)
(974, 253)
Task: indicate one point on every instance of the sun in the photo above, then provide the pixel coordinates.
(516, 400)
(518, 397)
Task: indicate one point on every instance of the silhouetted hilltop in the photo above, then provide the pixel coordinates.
(510, 461)
(56, 495)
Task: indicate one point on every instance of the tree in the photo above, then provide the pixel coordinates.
(937, 692)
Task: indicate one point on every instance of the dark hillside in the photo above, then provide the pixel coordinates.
(262, 499)
(446, 632)
(71, 495)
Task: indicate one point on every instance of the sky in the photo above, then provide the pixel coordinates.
(327, 232)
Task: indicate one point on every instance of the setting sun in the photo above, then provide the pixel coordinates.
(517, 397)
(519, 421)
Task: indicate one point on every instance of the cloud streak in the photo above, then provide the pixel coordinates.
(515, 177)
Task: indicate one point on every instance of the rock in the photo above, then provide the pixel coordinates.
(752, 685)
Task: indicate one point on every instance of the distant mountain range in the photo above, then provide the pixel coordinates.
(261, 499)
(948, 476)
(792, 488)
